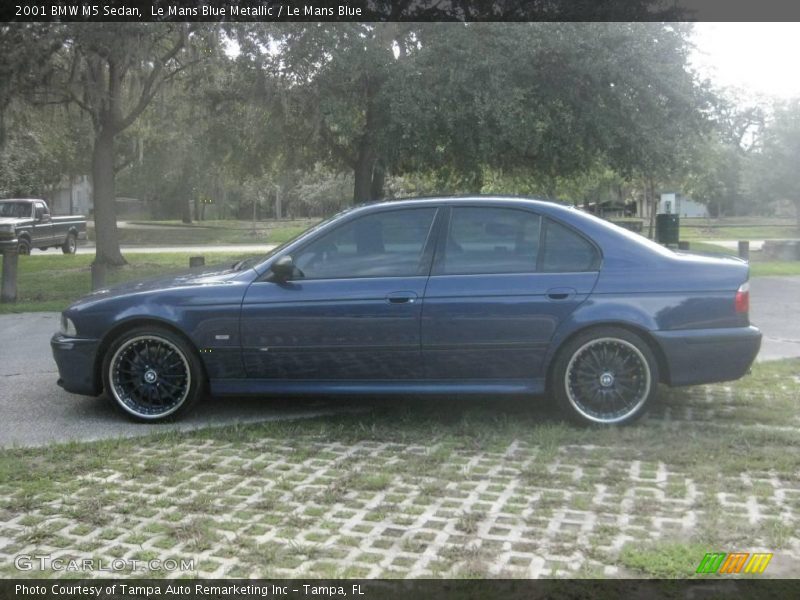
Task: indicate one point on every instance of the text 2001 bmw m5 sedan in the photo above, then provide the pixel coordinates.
(484, 295)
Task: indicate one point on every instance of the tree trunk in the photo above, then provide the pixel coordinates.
(186, 210)
(378, 180)
(362, 189)
(105, 210)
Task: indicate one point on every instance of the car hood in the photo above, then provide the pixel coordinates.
(213, 275)
(11, 220)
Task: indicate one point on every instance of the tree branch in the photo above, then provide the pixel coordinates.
(152, 84)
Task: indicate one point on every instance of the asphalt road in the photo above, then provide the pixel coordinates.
(35, 411)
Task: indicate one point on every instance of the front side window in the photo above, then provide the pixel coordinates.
(490, 240)
(384, 244)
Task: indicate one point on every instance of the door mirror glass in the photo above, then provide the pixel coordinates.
(283, 268)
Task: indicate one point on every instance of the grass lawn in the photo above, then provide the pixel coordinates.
(759, 266)
(52, 282)
(739, 228)
(210, 232)
(420, 488)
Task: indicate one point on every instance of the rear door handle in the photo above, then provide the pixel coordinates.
(562, 293)
(401, 297)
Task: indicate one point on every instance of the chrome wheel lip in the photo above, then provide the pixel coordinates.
(114, 382)
(643, 395)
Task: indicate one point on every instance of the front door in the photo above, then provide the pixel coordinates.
(502, 281)
(42, 233)
(353, 310)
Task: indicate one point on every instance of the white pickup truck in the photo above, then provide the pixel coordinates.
(29, 221)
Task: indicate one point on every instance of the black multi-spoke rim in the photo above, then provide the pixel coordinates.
(150, 376)
(607, 380)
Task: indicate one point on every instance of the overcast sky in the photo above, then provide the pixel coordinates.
(758, 57)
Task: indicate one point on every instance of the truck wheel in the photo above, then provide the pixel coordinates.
(24, 246)
(70, 245)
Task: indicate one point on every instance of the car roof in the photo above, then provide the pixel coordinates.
(520, 201)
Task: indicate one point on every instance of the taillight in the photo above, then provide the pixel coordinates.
(742, 301)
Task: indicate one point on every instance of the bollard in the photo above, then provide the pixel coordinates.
(197, 261)
(8, 293)
(98, 275)
(683, 245)
(744, 249)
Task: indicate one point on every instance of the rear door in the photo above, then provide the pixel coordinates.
(502, 281)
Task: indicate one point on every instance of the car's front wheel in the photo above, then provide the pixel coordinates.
(605, 376)
(152, 374)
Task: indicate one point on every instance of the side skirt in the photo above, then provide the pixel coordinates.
(257, 387)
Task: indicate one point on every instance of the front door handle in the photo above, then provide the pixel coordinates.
(561, 293)
(401, 297)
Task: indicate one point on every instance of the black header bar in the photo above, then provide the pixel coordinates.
(397, 10)
(377, 589)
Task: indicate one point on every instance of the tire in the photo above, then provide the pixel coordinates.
(605, 376)
(24, 246)
(152, 374)
(70, 245)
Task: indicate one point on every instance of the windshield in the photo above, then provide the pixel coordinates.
(15, 210)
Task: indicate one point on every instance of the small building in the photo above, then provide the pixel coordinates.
(676, 204)
(72, 197)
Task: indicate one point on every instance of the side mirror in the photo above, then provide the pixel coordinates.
(283, 268)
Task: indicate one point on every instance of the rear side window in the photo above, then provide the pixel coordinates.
(490, 240)
(565, 251)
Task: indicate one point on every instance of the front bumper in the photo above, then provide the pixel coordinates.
(696, 356)
(76, 359)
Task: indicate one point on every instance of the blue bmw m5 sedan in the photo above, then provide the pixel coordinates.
(428, 296)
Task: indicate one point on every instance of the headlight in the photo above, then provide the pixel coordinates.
(7, 232)
(67, 326)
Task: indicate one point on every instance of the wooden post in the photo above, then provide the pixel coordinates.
(98, 275)
(744, 249)
(683, 245)
(8, 293)
(197, 261)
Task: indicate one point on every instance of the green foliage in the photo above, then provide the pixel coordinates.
(577, 111)
(773, 168)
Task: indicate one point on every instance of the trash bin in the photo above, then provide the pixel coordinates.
(667, 229)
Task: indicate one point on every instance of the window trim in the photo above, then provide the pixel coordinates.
(425, 260)
(441, 246)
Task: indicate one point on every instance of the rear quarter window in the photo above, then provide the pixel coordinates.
(567, 251)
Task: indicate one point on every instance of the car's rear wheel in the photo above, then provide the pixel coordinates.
(70, 245)
(152, 374)
(605, 376)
